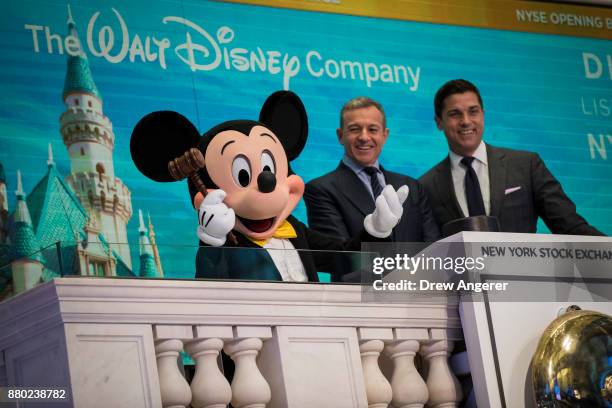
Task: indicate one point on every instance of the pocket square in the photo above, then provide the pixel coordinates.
(511, 190)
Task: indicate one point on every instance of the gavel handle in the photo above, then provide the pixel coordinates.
(197, 181)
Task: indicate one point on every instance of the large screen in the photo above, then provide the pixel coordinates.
(214, 61)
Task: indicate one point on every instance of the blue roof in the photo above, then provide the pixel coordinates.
(24, 243)
(55, 210)
(78, 74)
(79, 78)
(148, 269)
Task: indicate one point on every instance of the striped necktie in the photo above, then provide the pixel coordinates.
(377, 188)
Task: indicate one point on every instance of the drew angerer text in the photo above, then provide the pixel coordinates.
(425, 285)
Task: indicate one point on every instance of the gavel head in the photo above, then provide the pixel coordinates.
(189, 163)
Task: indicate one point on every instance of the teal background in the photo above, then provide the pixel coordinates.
(532, 86)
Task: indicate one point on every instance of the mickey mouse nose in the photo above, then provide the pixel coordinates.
(266, 181)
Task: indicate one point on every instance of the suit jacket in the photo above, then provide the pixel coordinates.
(248, 261)
(338, 202)
(533, 192)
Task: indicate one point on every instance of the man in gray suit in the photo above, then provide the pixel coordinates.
(338, 201)
(479, 179)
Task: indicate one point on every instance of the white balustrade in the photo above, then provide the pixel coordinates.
(444, 388)
(134, 330)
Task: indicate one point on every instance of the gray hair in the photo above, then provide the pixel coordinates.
(359, 103)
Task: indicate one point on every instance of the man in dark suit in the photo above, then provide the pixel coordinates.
(338, 201)
(479, 179)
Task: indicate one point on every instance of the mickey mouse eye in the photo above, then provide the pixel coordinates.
(267, 162)
(241, 171)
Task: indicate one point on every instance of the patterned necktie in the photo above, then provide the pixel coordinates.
(473, 194)
(376, 187)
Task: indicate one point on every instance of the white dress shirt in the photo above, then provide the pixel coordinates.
(481, 167)
(286, 259)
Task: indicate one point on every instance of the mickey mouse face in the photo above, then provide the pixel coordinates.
(253, 170)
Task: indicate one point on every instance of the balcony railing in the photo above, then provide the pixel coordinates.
(116, 342)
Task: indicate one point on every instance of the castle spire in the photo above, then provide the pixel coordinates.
(70, 19)
(78, 75)
(22, 214)
(19, 192)
(50, 161)
(148, 268)
(142, 229)
(24, 244)
(154, 247)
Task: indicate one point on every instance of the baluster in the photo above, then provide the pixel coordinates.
(209, 387)
(378, 389)
(444, 389)
(409, 388)
(249, 388)
(175, 392)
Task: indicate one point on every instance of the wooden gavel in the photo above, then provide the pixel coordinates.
(187, 166)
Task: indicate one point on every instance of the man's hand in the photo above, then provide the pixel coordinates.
(215, 218)
(387, 213)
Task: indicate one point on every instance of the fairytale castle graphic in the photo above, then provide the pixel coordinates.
(74, 225)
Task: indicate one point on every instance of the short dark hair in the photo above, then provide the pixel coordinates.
(359, 103)
(455, 86)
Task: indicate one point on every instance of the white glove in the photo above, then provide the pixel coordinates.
(215, 218)
(387, 213)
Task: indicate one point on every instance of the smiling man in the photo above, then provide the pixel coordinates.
(479, 179)
(338, 201)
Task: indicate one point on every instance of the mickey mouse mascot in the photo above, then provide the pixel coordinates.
(241, 183)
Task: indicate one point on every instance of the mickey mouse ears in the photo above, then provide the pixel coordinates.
(158, 138)
(284, 113)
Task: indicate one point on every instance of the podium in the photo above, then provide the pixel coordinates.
(502, 334)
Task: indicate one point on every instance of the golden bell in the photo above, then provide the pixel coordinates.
(572, 366)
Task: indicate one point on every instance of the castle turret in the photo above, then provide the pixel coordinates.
(88, 135)
(26, 258)
(148, 269)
